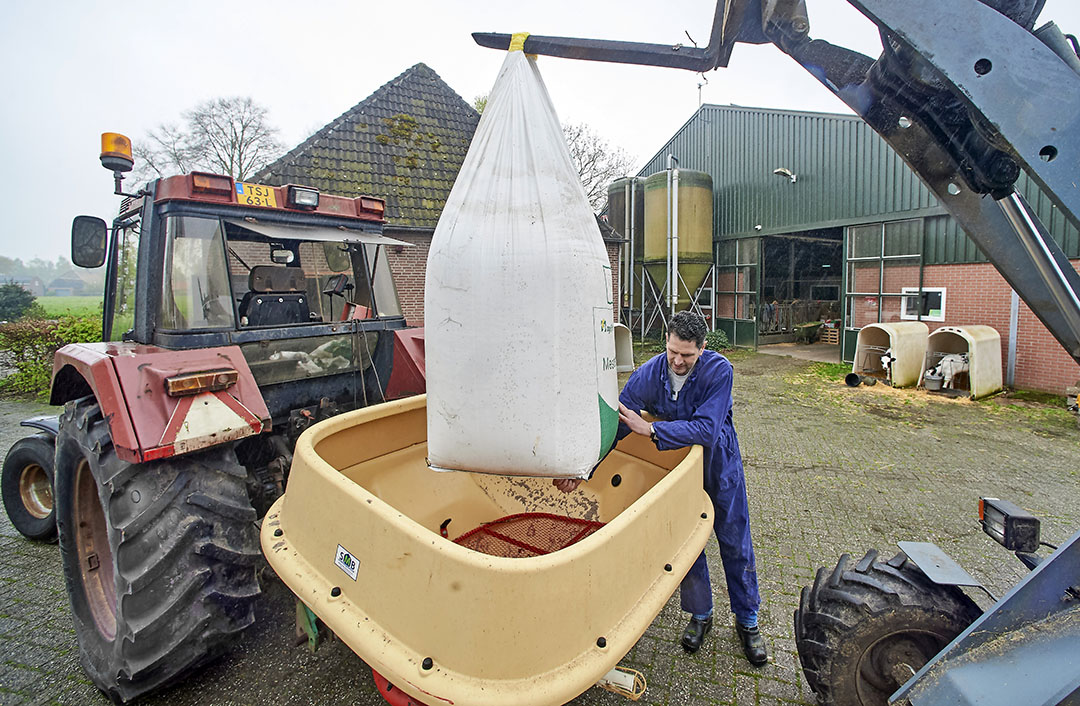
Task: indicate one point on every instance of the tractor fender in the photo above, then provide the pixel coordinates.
(48, 423)
(938, 566)
(128, 381)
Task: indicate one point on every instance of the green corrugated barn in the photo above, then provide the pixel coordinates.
(815, 217)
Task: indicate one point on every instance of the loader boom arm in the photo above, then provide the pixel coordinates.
(968, 97)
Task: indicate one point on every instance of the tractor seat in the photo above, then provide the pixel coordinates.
(276, 296)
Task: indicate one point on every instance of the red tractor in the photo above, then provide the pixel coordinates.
(235, 316)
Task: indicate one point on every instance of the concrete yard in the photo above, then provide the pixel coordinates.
(830, 469)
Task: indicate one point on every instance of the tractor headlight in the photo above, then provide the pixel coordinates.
(303, 198)
(1009, 524)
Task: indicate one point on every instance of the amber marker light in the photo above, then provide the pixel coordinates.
(116, 152)
(202, 381)
(211, 184)
(372, 205)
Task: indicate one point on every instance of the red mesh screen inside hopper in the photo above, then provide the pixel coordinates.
(527, 534)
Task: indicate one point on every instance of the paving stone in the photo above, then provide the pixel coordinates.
(830, 469)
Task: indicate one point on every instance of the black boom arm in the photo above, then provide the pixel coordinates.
(967, 110)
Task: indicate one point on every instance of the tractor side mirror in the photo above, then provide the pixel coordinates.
(88, 241)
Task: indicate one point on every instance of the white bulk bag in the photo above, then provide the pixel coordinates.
(520, 345)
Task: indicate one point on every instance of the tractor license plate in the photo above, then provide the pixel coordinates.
(255, 195)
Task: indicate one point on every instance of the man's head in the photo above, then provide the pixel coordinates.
(685, 341)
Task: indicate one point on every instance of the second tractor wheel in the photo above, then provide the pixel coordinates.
(159, 558)
(27, 484)
(865, 628)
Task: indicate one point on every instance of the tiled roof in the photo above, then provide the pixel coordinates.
(608, 233)
(404, 143)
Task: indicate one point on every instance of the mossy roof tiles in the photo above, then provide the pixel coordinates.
(404, 143)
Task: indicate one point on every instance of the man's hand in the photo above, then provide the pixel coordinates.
(566, 485)
(633, 420)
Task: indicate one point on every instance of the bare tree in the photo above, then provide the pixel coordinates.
(164, 152)
(224, 135)
(598, 163)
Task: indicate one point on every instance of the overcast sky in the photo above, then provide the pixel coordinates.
(74, 69)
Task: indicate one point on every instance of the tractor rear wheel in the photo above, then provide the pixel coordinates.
(865, 628)
(27, 484)
(159, 558)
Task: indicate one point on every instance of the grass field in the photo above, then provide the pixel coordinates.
(73, 306)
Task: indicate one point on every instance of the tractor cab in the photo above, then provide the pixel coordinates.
(225, 272)
(299, 280)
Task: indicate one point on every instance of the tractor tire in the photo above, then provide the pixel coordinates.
(27, 485)
(159, 558)
(864, 629)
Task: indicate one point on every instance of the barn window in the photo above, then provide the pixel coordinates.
(927, 305)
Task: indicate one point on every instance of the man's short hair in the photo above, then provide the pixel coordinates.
(689, 327)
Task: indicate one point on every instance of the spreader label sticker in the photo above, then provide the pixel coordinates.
(347, 562)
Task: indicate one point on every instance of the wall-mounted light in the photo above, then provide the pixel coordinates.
(785, 172)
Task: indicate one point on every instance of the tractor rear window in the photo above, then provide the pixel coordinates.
(218, 274)
(284, 282)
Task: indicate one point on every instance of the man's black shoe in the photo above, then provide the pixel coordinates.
(695, 632)
(753, 644)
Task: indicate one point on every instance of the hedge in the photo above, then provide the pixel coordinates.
(30, 344)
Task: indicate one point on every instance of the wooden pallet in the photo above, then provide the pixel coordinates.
(830, 336)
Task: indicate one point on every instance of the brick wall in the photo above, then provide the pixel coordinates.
(977, 294)
(410, 264)
(974, 294)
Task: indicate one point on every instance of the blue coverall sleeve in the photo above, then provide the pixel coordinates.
(635, 395)
(705, 426)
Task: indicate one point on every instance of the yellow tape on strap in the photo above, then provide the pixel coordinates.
(517, 41)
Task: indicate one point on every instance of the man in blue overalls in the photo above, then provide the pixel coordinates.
(689, 388)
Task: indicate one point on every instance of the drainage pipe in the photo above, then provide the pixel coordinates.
(1014, 321)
